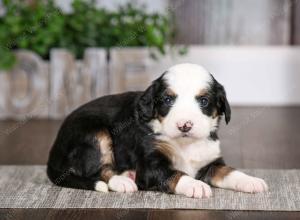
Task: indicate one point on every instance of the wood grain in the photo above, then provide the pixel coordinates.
(75, 83)
(3, 94)
(137, 214)
(131, 69)
(219, 22)
(95, 67)
(24, 90)
(63, 76)
(295, 22)
(28, 92)
(35, 88)
(257, 137)
(26, 141)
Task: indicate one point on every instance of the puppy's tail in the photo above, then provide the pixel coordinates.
(68, 179)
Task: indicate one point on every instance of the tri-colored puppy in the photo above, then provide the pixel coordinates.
(164, 139)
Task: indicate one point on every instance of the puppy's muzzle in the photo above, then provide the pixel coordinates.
(185, 126)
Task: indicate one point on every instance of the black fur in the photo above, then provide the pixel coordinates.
(75, 154)
(213, 136)
(206, 173)
(217, 101)
(74, 159)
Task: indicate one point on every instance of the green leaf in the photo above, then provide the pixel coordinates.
(41, 25)
(7, 60)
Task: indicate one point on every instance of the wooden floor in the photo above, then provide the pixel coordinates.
(257, 137)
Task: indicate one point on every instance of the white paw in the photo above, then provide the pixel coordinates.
(122, 184)
(101, 186)
(244, 183)
(251, 184)
(191, 187)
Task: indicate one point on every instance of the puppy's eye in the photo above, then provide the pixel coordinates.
(203, 100)
(168, 100)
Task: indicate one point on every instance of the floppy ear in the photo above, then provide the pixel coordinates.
(146, 103)
(222, 102)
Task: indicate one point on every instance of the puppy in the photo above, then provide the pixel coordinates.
(163, 139)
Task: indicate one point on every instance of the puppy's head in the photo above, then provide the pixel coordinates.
(185, 102)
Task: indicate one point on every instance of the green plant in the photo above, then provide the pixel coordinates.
(133, 27)
(40, 25)
(34, 26)
(88, 26)
(85, 27)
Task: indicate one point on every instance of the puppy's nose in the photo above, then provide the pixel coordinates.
(185, 126)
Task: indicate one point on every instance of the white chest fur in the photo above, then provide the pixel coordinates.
(191, 157)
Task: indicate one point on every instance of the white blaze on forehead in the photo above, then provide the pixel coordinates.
(187, 78)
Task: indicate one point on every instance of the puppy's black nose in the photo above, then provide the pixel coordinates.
(185, 127)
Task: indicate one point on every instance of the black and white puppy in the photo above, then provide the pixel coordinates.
(164, 139)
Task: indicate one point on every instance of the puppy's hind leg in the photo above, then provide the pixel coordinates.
(115, 182)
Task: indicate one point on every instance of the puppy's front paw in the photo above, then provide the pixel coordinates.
(122, 184)
(191, 187)
(244, 183)
(251, 184)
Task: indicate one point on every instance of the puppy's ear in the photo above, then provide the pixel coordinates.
(222, 102)
(147, 101)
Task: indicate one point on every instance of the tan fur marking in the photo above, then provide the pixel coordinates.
(173, 180)
(202, 92)
(106, 172)
(220, 173)
(165, 148)
(105, 145)
(215, 113)
(170, 92)
(107, 157)
(168, 151)
(160, 118)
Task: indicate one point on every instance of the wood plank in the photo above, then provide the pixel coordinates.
(3, 94)
(239, 69)
(266, 143)
(218, 22)
(75, 83)
(295, 19)
(95, 67)
(131, 69)
(149, 214)
(24, 90)
(62, 83)
(27, 142)
(256, 137)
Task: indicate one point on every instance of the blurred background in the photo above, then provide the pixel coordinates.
(57, 55)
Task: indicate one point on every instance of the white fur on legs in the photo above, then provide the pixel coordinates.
(122, 184)
(101, 186)
(239, 181)
(191, 187)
